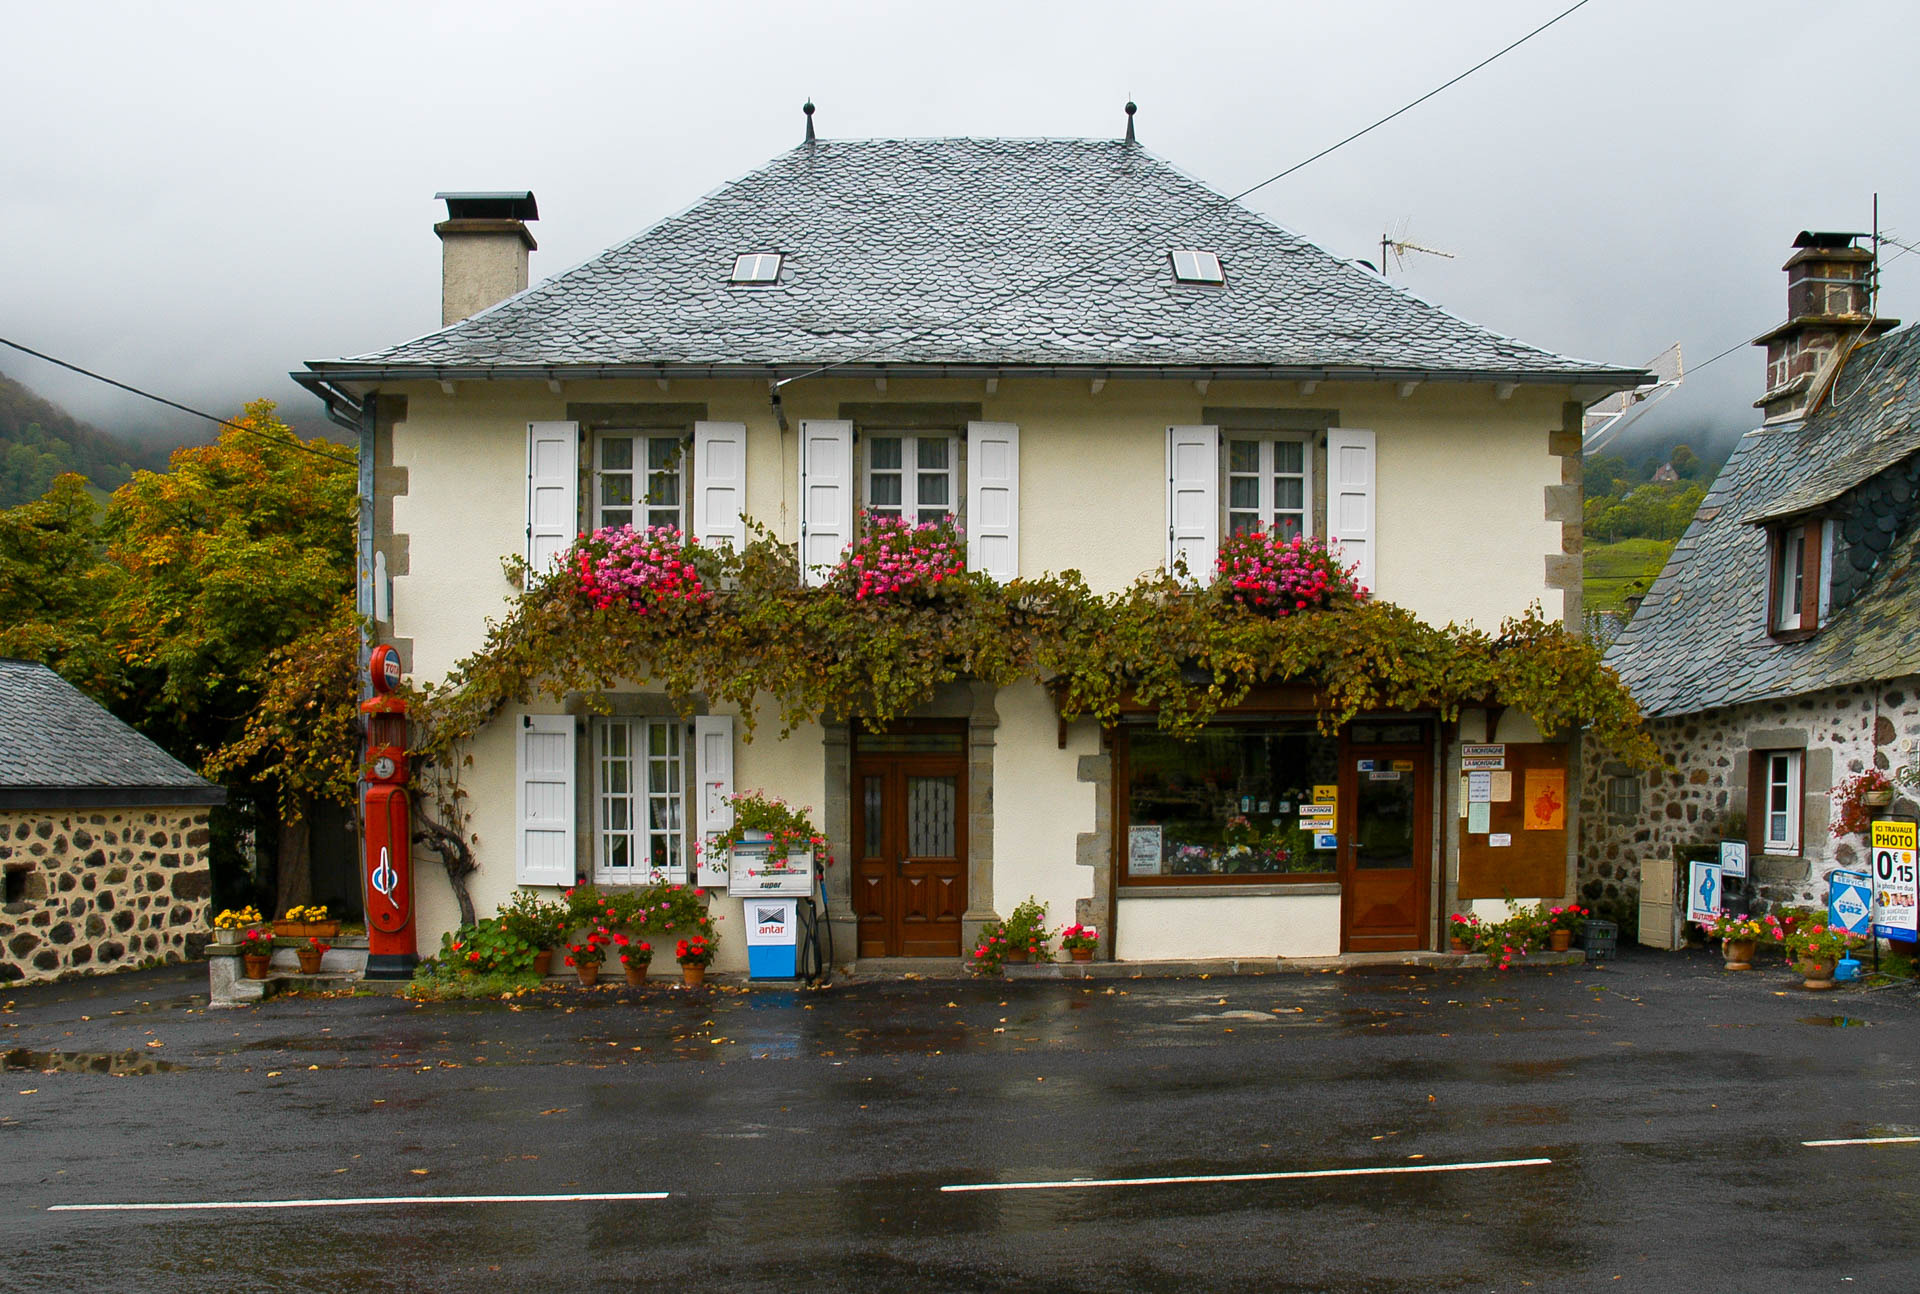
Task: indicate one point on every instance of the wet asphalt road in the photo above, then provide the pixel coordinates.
(803, 1138)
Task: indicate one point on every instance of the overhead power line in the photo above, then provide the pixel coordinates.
(1053, 281)
(175, 404)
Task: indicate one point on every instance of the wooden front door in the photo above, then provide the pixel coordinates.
(910, 842)
(1385, 855)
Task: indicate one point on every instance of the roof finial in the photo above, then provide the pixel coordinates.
(807, 108)
(1131, 109)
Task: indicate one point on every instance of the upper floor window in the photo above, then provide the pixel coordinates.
(1269, 485)
(639, 479)
(1799, 595)
(913, 475)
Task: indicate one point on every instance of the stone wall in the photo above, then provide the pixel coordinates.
(101, 889)
(1703, 797)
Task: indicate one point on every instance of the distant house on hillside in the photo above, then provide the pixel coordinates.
(103, 836)
(1664, 473)
(1778, 653)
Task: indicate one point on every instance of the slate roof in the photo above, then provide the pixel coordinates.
(1700, 638)
(58, 748)
(893, 247)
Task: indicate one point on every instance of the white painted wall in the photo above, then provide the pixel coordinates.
(1253, 925)
(1040, 806)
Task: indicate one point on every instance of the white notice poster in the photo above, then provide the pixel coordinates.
(1479, 788)
(1143, 851)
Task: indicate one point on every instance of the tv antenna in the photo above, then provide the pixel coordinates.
(1398, 244)
(1614, 414)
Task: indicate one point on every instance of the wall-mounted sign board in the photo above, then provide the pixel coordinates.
(1532, 817)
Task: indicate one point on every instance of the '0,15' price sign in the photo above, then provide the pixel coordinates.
(1894, 887)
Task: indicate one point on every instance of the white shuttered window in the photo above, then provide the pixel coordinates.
(1193, 500)
(640, 801)
(553, 491)
(1351, 502)
(993, 499)
(826, 495)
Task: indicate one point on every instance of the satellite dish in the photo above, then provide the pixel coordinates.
(1613, 415)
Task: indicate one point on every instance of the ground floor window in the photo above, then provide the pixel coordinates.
(640, 792)
(1245, 801)
(1780, 801)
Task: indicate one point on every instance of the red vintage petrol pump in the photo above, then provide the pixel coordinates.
(387, 855)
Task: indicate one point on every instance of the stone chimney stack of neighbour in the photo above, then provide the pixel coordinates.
(483, 250)
(1829, 312)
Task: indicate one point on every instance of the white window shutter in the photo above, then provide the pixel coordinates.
(826, 495)
(544, 800)
(553, 491)
(993, 499)
(1193, 500)
(1350, 500)
(713, 780)
(720, 483)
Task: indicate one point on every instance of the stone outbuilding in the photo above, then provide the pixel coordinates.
(1778, 654)
(103, 836)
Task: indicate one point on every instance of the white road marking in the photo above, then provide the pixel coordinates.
(354, 1202)
(1298, 1175)
(1864, 1141)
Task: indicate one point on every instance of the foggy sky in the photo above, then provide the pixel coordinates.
(197, 197)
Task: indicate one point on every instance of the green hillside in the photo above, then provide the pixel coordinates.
(1612, 572)
(39, 440)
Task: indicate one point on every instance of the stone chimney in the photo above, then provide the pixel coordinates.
(483, 250)
(1829, 311)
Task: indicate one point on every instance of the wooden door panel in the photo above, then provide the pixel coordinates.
(910, 838)
(1387, 850)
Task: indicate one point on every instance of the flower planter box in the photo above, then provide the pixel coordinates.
(306, 929)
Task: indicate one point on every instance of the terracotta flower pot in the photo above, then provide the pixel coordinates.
(1016, 954)
(257, 966)
(589, 972)
(1082, 954)
(1816, 975)
(543, 962)
(1459, 945)
(693, 974)
(636, 974)
(1739, 953)
(1559, 940)
(309, 960)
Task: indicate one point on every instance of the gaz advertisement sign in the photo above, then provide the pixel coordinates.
(1894, 886)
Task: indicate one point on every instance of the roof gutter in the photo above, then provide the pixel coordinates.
(325, 375)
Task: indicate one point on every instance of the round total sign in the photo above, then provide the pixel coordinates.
(383, 669)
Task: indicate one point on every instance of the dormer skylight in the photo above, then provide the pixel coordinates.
(1197, 267)
(757, 267)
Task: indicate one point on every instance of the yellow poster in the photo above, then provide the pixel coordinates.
(1326, 794)
(1546, 804)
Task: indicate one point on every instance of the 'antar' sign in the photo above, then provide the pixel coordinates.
(387, 851)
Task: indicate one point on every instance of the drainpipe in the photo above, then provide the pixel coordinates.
(358, 416)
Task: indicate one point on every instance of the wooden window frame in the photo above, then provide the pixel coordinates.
(1759, 802)
(640, 832)
(1267, 478)
(1816, 546)
(641, 470)
(910, 471)
(1122, 754)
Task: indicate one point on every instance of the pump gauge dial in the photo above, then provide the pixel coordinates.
(383, 766)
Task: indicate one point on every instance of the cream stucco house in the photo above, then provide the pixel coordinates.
(1096, 363)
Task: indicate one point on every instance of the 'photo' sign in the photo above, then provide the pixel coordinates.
(1894, 884)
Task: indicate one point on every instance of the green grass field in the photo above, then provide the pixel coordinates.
(1610, 572)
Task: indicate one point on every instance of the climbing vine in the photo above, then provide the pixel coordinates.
(757, 638)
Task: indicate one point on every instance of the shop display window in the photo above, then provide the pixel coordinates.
(1236, 803)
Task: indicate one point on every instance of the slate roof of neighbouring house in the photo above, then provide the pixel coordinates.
(1700, 638)
(893, 247)
(59, 748)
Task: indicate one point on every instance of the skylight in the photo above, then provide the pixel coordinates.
(757, 267)
(1197, 267)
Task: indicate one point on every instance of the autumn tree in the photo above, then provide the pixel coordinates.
(231, 612)
(54, 587)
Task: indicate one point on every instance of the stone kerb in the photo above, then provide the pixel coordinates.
(102, 889)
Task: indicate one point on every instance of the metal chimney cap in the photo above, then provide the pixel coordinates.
(515, 204)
